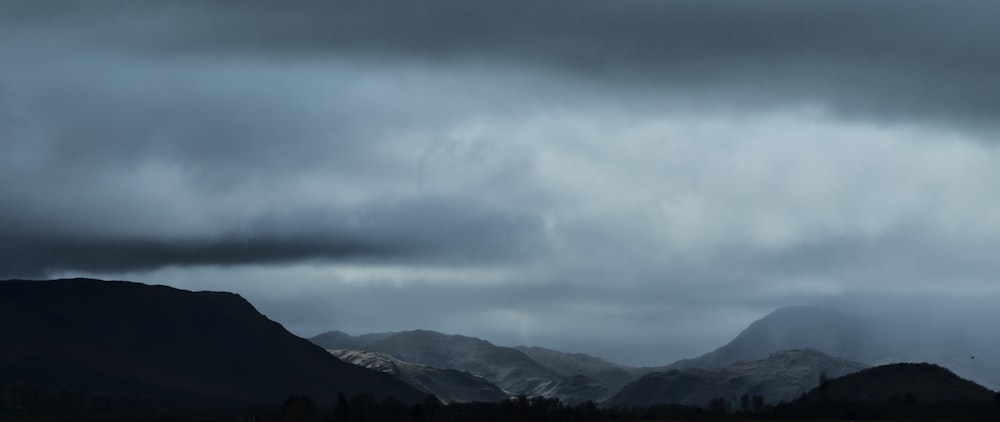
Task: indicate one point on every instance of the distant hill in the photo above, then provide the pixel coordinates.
(449, 385)
(915, 382)
(131, 338)
(903, 391)
(867, 337)
(508, 368)
(782, 376)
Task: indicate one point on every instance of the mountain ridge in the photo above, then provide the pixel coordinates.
(509, 368)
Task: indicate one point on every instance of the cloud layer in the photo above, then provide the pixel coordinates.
(650, 174)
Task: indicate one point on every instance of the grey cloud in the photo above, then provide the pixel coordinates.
(212, 120)
(117, 164)
(425, 231)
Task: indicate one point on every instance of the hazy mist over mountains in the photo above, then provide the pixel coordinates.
(965, 345)
(778, 358)
(962, 341)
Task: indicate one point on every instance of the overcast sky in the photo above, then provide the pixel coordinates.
(638, 180)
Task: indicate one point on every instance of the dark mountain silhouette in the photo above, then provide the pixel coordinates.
(782, 376)
(508, 368)
(123, 337)
(910, 382)
(872, 337)
(448, 385)
(903, 391)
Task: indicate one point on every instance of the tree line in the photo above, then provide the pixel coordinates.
(23, 402)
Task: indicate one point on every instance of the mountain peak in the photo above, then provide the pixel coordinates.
(793, 327)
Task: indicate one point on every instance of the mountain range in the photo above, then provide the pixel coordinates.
(778, 357)
(574, 377)
(124, 338)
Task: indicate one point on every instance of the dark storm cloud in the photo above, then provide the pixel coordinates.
(35, 256)
(863, 59)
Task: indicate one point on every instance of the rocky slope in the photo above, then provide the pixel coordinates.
(449, 385)
(506, 367)
(612, 375)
